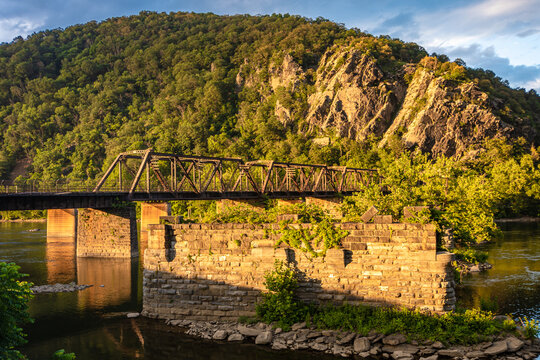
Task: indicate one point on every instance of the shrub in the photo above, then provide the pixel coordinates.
(14, 297)
(531, 328)
(280, 304)
(470, 255)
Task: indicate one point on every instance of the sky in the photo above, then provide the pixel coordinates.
(499, 35)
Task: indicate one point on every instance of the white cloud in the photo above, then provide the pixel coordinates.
(13, 27)
(499, 35)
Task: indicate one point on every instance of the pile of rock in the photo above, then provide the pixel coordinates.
(56, 288)
(470, 267)
(349, 344)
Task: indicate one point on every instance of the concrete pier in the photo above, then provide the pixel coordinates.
(61, 225)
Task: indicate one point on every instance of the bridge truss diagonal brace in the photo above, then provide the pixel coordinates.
(139, 172)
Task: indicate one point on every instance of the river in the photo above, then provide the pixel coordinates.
(88, 322)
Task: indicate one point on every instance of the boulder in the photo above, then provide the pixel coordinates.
(264, 338)
(432, 357)
(247, 331)
(298, 326)
(346, 339)
(496, 348)
(454, 353)
(406, 348)
(220, 335)
(319, 346)
(437, 345)
(400, 355)
(475, 354)
(279, 344)
(394, 339)
(361, 344)
(514, 344)
(343, 351)
(133, 315)
(235, 337)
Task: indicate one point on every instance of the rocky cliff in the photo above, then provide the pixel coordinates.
(424, 105)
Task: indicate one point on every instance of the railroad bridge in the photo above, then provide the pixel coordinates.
(104, 226)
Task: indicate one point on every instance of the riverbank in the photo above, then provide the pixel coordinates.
(351, 344)
(42, 220)
(523, 219)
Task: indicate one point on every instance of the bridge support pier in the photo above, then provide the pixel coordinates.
(331, 206)
(107, 232)
(150, 214)
(61, 225)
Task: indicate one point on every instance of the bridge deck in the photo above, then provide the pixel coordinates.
(145, 175)
(73, 200)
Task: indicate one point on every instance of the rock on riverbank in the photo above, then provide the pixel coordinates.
(349, 344)
(56, 288)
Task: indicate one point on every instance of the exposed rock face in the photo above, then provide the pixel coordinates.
(352, 96)
(355, 98)
(443, 119)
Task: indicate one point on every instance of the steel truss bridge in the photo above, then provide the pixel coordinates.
(145, 175)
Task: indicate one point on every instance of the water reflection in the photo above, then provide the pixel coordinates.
(79, 321)
(60, 257)
(151, 340)
(112, 280)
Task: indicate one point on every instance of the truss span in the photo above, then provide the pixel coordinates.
(148, 174)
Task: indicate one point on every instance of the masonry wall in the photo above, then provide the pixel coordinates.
(216, 271)
(108, 232)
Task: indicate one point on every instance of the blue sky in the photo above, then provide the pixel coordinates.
(500, 35)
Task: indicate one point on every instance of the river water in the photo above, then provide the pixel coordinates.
(90, 323)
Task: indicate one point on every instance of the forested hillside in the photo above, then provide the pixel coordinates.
(248, 86)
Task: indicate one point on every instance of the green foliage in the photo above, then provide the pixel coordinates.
(463, 195)
(471, 326)
(62, 355)
(14, 297)
(315, 240)
(470, 255)
(531, 328)
(22, 214)
(71, 99)
(279, 304)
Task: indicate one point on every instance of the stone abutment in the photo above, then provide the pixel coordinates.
(216, 271)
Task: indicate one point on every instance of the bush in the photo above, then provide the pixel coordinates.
(470, 255)
(531, 328)
(470, 326)
(280, 304)
(14, 297)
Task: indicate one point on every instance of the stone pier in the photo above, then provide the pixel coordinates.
(216, 271)
(61, 225)
(107, 232)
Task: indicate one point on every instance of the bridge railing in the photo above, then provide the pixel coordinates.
(38, 186)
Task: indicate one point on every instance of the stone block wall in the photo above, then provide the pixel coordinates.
(108, 232)
(216, 271)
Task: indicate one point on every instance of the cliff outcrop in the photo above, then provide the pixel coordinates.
(419, 105)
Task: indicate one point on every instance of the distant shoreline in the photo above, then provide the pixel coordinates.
(524, 219)
(23, 220)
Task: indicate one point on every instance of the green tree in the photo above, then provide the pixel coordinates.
(14, 297)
